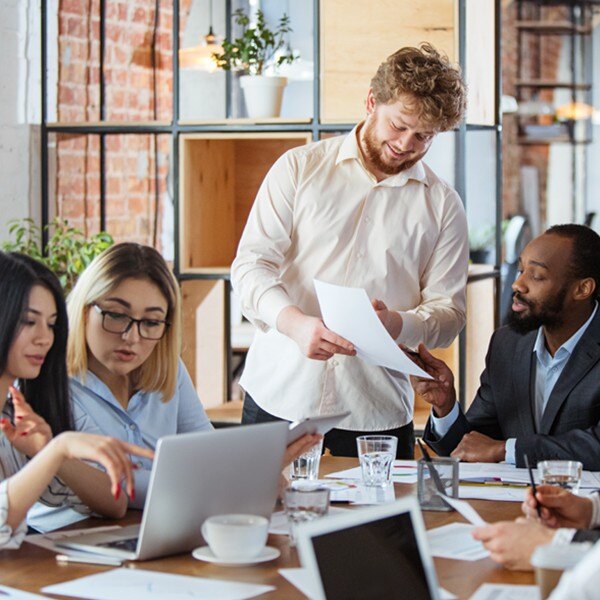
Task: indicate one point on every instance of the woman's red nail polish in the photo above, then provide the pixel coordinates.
(118, 492)
(24, 433)
(132, 494)
(19, 417)
(3, 421)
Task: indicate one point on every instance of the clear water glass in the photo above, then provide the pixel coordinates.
(304, 503)
(563, 473)
(376, 454)
(306, 466)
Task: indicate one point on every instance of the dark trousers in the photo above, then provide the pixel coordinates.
(340, 442)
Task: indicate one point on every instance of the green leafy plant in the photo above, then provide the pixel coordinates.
(68, 251)
(257, 46)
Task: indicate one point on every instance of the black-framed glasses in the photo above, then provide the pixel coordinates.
(116, 322)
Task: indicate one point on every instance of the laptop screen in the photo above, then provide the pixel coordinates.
(375, 560)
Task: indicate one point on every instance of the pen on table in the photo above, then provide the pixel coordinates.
(537, 504)
(434, 474)
(91, 560)
(507, 484)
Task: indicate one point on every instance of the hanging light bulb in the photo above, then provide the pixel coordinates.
(201, 57)
(575, 111)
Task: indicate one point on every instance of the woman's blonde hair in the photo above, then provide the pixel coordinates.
(104, 274)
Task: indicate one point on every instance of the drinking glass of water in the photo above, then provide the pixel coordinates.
(304, 502)
(376, 454)
(306, 466)
(563, 473)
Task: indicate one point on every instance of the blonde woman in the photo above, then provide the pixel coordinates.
(127, 378)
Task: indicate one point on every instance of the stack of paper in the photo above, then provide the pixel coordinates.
(140, 584)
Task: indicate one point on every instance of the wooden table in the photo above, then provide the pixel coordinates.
(31, 568)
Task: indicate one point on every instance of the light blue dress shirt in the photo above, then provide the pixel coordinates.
(147, 418)
(548, 370)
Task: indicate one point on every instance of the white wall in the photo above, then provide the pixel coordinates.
(19, 110)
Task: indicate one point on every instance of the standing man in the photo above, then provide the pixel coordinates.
(360, 210)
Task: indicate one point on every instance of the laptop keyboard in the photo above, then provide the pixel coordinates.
(130, 545)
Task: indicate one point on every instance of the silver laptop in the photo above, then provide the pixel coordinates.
(195, 476)
(370, 553)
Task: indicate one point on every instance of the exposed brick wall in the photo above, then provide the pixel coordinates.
(539, 56)
(129, 97)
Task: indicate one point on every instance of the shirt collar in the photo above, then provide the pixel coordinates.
(540, 343)
(95, 385)
(349, 150)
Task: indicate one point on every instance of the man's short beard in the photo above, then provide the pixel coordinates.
(549, 315)
(373, 152)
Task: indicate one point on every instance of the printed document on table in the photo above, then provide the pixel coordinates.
(455, 541)
(504, 591)
(141, 584)
(348, 312)
(464, 509)
(403, 471)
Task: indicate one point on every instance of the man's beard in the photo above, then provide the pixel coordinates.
(374, 149)
(547, 314)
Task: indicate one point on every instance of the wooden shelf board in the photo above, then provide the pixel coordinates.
(553, 27)
(546, 83)
(231, 413)
(276, 121)
(563, 139)
(228, 412)
(69, 124)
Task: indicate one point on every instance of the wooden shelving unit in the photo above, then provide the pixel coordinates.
(220, 177)
(220, 164)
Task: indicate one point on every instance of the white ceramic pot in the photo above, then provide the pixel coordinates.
(263, 95)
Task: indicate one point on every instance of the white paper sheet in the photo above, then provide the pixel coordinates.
(44, 518)
(403, 471)
(491, 492)
(46, 540)
(504, 591)
(8, 592)
(465, 509)
(348, 312)
(301, 579)
(509, 473)
(141, 584)
(455, 541)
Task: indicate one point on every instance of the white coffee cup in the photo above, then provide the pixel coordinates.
(235, 536)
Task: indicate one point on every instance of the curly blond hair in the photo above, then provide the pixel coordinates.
(434, 87)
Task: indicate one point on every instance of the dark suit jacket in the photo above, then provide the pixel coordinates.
(587, 535)
(504, 404)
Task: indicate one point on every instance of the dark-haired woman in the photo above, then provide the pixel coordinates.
(35, 446)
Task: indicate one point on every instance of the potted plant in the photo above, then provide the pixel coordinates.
(257, 48)
(68, 251)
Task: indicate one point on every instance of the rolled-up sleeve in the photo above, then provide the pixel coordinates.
(255, 272)
(440, 315)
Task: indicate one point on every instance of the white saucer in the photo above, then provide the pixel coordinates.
(205, 553)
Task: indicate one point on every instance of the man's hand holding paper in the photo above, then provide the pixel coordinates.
(349, 312)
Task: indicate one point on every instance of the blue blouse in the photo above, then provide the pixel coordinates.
(146, 419)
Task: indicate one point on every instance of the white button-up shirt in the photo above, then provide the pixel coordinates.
(321, 214)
